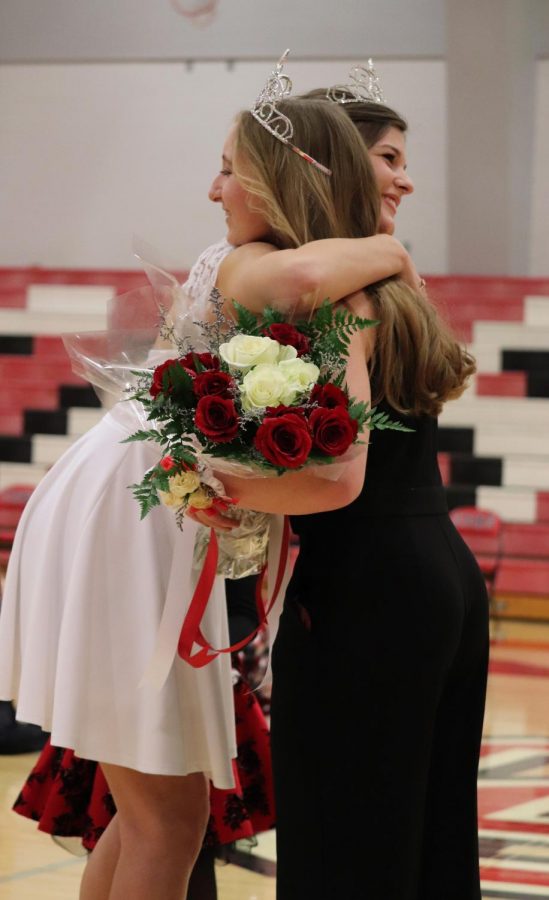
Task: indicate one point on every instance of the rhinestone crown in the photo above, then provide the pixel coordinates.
(364, 86)
(277, 87)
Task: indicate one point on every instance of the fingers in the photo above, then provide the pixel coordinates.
(211, 519)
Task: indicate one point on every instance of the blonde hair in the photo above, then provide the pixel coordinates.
(300, 202)
(417, 363)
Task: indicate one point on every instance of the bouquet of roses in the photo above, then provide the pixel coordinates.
(267, 397)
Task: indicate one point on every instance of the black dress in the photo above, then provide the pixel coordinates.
(379, 684)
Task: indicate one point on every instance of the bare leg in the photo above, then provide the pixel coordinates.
(99, 872)
(161, 824)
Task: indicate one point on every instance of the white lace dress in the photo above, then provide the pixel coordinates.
(83, 612)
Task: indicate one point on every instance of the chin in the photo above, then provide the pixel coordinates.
(386, 224)
(232, 238)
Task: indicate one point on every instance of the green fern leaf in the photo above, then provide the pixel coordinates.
(245, 320)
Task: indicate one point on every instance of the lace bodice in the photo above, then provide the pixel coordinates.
(203, 274)
(243, 551)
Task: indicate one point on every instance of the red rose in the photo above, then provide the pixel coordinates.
(329, 395)
(272, 412)
(284, 441)
(168, 463)
(287, 335)
(157, 386)
(213, 382)
(216, 417)
(207, 360)
(333, 430)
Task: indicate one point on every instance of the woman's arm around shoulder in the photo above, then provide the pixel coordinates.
(258, 275)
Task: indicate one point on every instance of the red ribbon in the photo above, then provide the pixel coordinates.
(191, 632)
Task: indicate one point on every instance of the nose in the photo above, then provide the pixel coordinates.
(214, 193)
(404, 182)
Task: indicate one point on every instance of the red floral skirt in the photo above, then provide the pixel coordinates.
(69, 796)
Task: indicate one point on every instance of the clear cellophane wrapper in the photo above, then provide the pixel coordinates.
(132, 345)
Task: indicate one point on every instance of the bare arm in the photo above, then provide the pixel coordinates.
(258, 275)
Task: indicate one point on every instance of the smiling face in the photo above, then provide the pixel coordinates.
(244, 224)
(388, 159)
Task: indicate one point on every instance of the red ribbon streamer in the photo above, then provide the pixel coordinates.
(191, 632)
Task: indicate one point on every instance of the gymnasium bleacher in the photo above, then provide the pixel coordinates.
(494, 441)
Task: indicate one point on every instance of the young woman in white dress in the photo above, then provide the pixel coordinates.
(88, 582)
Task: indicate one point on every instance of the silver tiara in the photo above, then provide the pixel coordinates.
(364, 86)
(265, 111)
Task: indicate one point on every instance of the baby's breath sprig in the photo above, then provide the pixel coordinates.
(221, 328)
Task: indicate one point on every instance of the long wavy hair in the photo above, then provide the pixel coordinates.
(417, 364)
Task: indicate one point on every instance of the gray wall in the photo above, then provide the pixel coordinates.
(61, 30)
(103, 82)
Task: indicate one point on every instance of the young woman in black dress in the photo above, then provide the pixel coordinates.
(381, 658)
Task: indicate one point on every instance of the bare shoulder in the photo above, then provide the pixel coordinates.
(245, 253)
(235, 271)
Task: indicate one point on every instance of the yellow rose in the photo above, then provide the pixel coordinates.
(184, 483)
(170, 500)
(200, 499)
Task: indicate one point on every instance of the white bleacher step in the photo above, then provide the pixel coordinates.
(80, 419)
(487, 356)
(526, 471)
(511, 335)
(536, 310)
(474, 411)
(510, 503)
(497, 439)
(21, 473)
(47, 448)
(18, 321)
(69, 298)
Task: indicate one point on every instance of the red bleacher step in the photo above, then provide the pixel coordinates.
(9, 517)
(526, 539)
(542, 512)
(17, 368)
(18, 397)
(12, 297)
(49, 347)
(528, 577)
(11, 422)
(460, 286)
(444, 463)
(15, 496)
(502, 384)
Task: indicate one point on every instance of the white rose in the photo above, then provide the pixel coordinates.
(265, 385)
(300, 375)
(286, 351)
(246, 350)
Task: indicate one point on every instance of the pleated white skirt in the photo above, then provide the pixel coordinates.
(85, 591)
